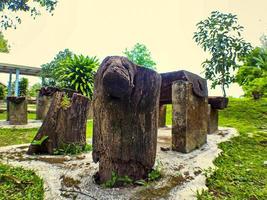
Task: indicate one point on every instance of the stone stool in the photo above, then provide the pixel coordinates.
(17, 110)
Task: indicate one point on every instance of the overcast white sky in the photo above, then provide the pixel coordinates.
(106, 27)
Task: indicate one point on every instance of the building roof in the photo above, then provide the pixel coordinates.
(24, 70)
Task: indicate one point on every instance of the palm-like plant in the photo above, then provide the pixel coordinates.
(77, 73)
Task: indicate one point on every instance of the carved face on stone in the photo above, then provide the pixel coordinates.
(118, 76)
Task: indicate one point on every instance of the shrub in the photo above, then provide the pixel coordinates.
(23, 86)
(78, 73)
(2, 91)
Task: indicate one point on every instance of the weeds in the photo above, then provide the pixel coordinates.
(73, 149)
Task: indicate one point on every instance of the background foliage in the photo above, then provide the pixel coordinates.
(68, 70)
(33, 91)
(2, 91)
(252, 76)
(7, 7)
(140, 55)
(77, 73)
(23, 86)
(220, 35)
(4, 48)
(48, 71)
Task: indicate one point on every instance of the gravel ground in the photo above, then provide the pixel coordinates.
(69, 177)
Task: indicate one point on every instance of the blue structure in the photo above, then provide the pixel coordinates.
(17, 69)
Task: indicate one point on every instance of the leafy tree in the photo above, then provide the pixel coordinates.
(220, 35)
(77, 73)
(23, 86)
(2, 91)
(252, 76)
(140, 55)
(4, 48)
(7, 6)
(48, 71)
(263, 40)
(33, 91)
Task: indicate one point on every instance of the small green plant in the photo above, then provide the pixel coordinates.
(72, 149)
(65, 102)
(156, 173)
(117, 181)
(40, 142)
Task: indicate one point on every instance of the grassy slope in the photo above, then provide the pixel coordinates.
(240, 172)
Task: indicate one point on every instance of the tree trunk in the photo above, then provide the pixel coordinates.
(126, 100)
(64, 124)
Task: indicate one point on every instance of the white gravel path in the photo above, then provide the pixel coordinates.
(53, 169)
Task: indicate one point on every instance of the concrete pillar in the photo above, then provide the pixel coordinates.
(17, 111)
(189, 118)
(162, 115)
(17, 83)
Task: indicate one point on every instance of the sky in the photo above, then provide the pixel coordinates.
(102, 28)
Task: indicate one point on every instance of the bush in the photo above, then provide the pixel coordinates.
(252, 76)
(48, 71)
(78, 73)
(33, 91)
(2, 91)
(23, 86)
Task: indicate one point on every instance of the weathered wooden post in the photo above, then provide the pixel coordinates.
(65, 124)
(126, 100)
(162, 115)
(44, 100)
(190, 112)
(215, 104)
(17, 110)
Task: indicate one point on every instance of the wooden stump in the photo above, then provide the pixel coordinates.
(44, 100)
(17, 110)
(125, 106)
(189, 118)
(64, 124)
(162, 115)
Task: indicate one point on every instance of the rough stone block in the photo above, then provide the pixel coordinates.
(213, 120)
(162, 115)
(189, 119)
(17, 110)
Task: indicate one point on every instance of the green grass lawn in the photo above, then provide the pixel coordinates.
(17, 183)
(240, 172)
(21, 136)
(30, 116)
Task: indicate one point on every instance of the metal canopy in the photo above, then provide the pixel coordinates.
(24, 70)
